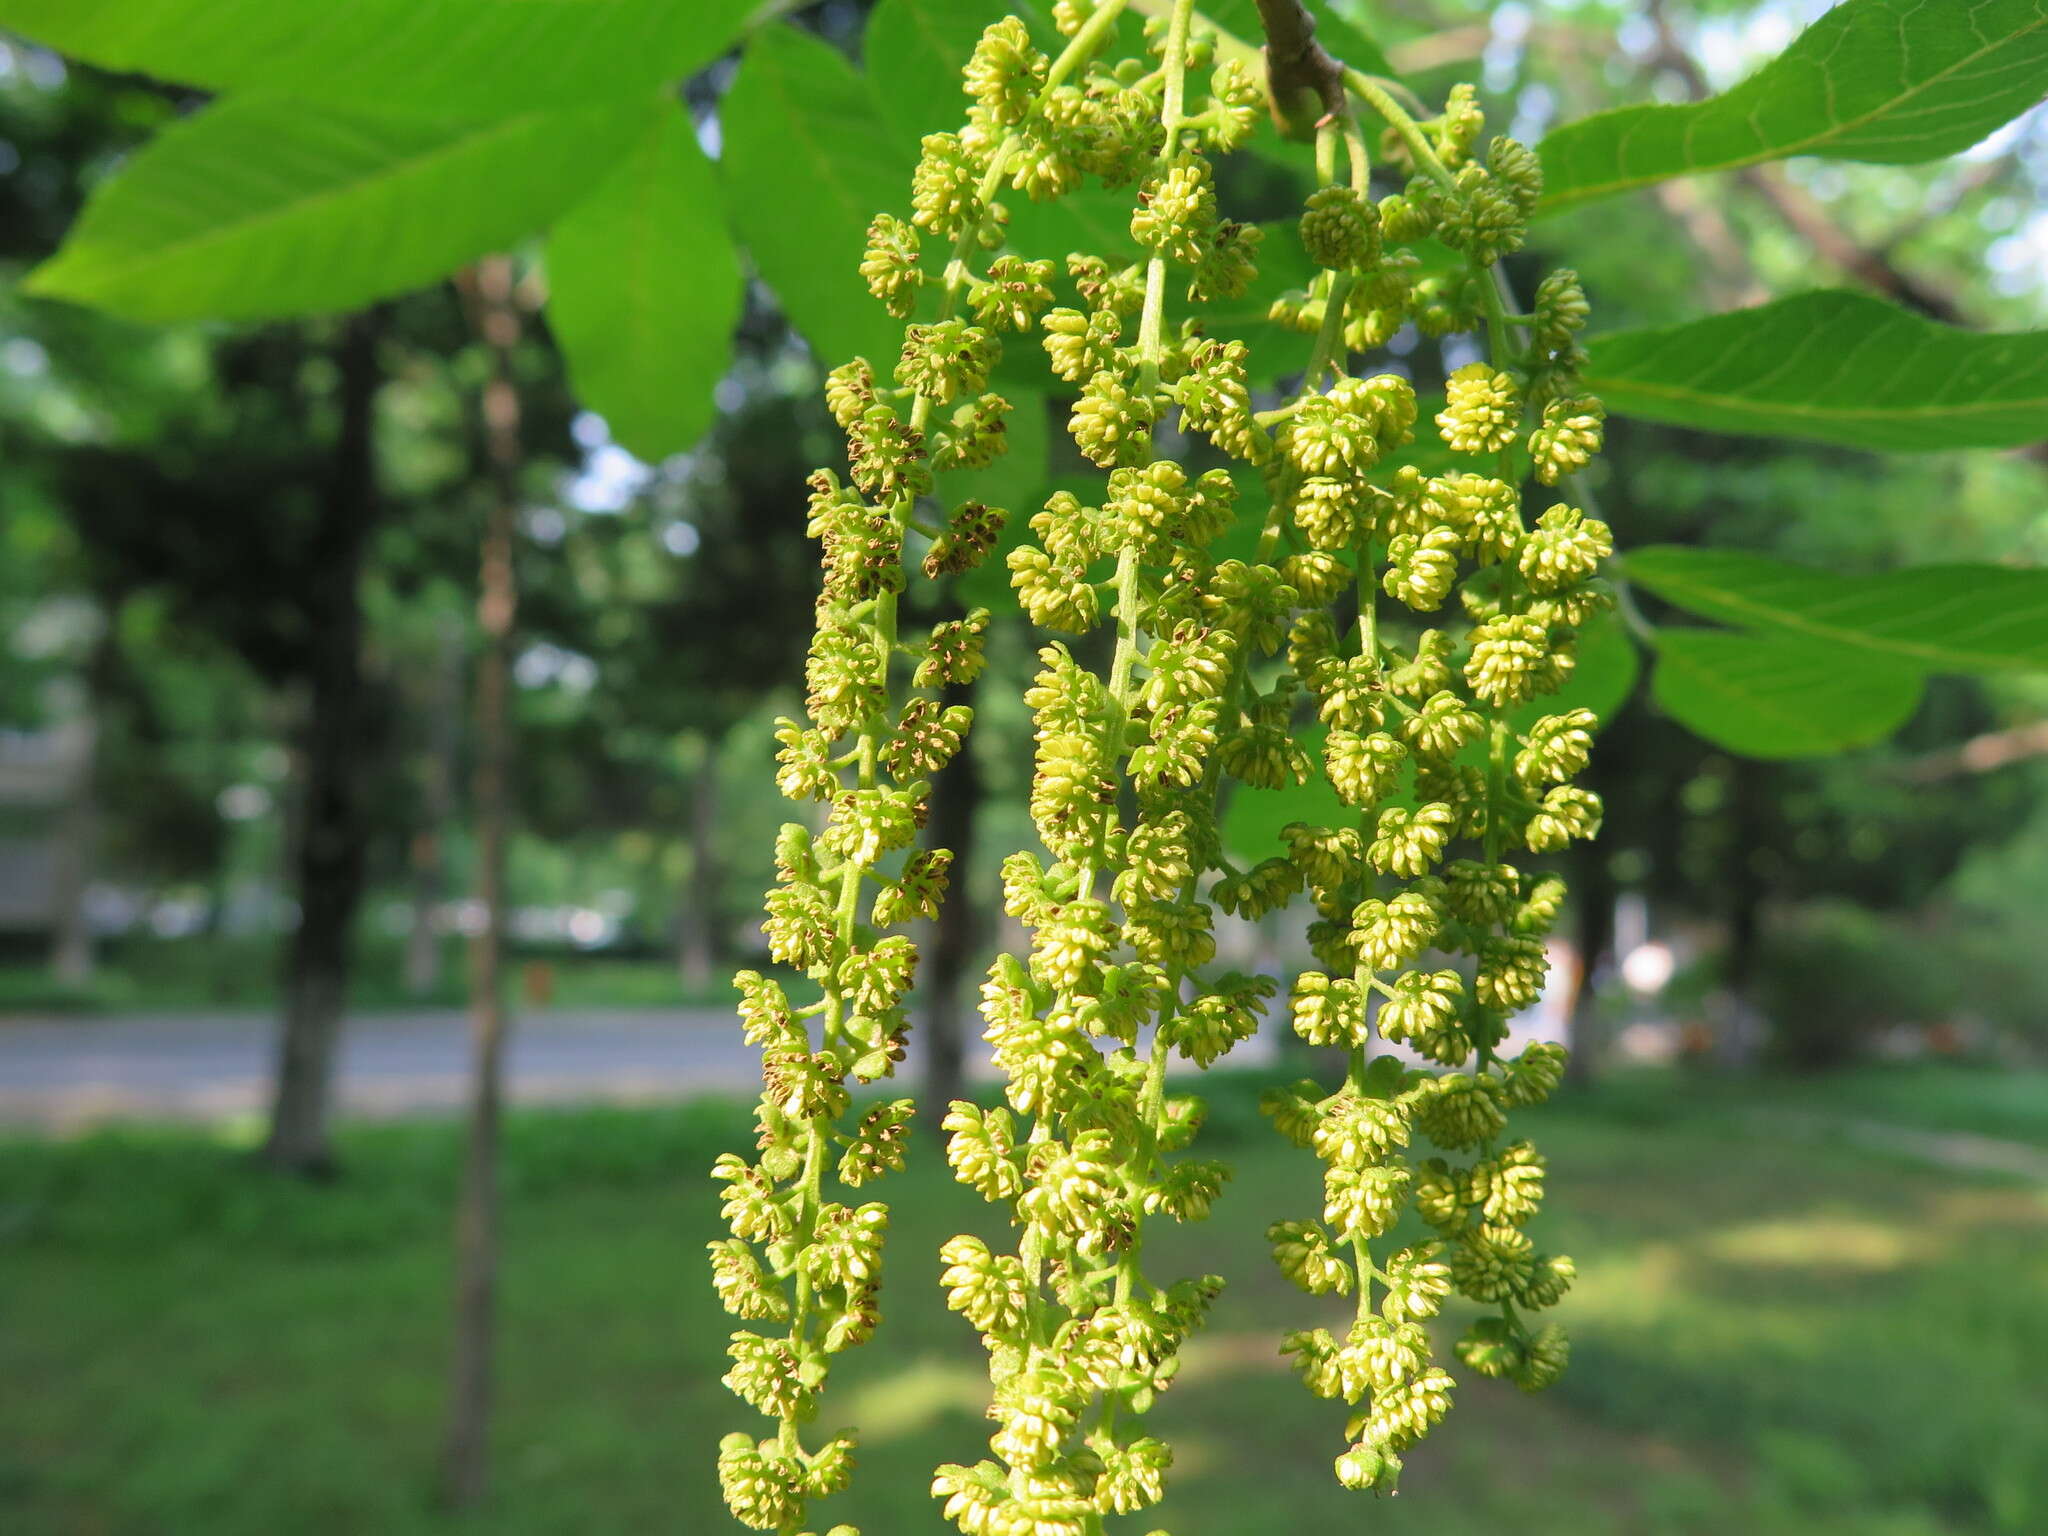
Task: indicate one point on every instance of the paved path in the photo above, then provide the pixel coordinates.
(1942, 1149)
(67, 1074)
(64, 1074)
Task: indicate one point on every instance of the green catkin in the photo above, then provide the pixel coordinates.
(1429, 937)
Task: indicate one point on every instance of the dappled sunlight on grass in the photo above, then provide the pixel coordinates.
(1770, 1337)
(1813, 1242)
(909, 1400)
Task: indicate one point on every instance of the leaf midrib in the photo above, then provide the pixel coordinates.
(1770, 617)
(1601, 384)
(97, 264)
(1590, 190)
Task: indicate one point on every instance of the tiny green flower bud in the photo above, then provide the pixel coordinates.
(943, 188)
(1005, 71)
(1408, 842)
(1564, 548)
(1390, 933)
(1568, 437)
(1421, 570)
(1327, 1011)
(1177, 213)
(1363, 769)
(890, 265)
(1424, 1013)
(1340, 230)
(1110, 424)
(1481, 410)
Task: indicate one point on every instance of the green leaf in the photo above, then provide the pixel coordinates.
(455, 56)
(914, 51)
(1831, 367)
(807, 163)
(1892, 82)
(1937, 618)
(1602, 680)
(1092, 220)
(1019, 483)
(1344, 40)
(1770, 697)
(259, 206)
(643, 291)
(1016, 482)
(1253, 818)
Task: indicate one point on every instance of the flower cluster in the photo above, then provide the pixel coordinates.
(1117, 977)
(1428, 934)
(1258, 667)
(802, 1268)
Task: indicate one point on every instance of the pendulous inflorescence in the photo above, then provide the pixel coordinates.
(1393, 628)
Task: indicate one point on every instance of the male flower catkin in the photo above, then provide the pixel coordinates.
(806, 1263)
(1434, 739)
(1445, 934)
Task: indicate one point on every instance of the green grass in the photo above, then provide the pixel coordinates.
(211, 974)
(1773, 1336)
(2007, 1103)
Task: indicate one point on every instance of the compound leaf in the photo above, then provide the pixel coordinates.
(807, 163)
(643, 290)
(1937, 618)
(1771, 697)
(1893, 82)
(1834, 367)
(453, 56)
(260, 206)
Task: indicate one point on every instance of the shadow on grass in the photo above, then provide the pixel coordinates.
(1770, 1336)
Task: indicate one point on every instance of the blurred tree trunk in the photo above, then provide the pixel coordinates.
(697, 938)
(956, 797)
(76, 843)
(487, 290)
(1593, 885)
(429, 854)
(1739, 1037)
(327, 857)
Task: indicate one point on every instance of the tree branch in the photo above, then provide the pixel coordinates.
(1981, 754)
(1799, 210)
(1303, 82)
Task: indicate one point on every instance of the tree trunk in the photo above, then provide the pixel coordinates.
(429, 851)
(1739, 1039)
(1594, 886)
(328, 855)
(71, 945)
(487, 290)
(956, 796)
(697, 938)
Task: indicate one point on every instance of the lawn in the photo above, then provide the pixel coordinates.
(1774, 1334)
(211, 975)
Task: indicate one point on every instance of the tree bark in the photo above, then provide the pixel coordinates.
(1302, 81)
(1739, 1039)
(71, 943)
(1595, 890)
(487, 289)
(697, 939)
(429, 845)
(956, 796)
(328, 852)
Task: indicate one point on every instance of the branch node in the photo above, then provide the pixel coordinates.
(1304, 84)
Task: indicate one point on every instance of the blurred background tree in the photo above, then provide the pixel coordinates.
(238, 569)
(176, 505)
